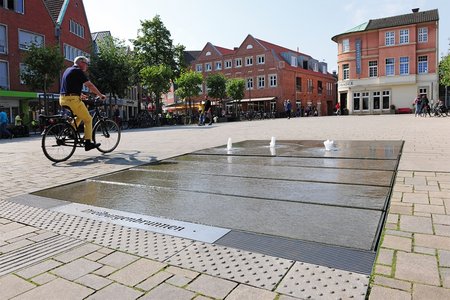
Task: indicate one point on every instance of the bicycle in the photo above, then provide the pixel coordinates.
(60, 139)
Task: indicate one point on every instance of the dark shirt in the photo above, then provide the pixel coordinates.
(207, 105)
(72, 81)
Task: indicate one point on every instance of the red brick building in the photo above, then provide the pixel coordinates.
(272, 74)
(44, 22)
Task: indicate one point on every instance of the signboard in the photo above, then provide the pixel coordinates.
(358, 56)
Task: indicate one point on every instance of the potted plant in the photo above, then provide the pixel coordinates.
(392, 109)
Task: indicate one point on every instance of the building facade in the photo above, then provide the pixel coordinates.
(272, 75)
(46, 23)
(385, 63)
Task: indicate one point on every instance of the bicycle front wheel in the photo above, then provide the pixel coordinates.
(59, 142)
(107, 133)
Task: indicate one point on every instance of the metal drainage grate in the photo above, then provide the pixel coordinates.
(18, 259)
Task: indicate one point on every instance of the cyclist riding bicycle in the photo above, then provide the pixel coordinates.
(70, 95)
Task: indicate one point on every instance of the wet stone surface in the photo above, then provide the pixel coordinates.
(297, 191)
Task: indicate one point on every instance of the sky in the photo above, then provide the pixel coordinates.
(306, 26)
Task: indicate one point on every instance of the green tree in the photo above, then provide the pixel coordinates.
(235, 89)
(216, 84)
(43, 66)
(444, 73)
(111, 67)
(154, 47)
(157, 81)
(188, 86)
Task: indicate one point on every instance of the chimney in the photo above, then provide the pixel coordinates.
(415, 10)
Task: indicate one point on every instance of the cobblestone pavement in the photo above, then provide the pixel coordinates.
(413, 259)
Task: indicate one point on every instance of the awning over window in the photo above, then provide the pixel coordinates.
(253, 100)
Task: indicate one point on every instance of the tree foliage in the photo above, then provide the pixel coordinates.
(235, 88)
(43, 66)
(188, 85)
(157, 80)
(444, 71)
(217, 85)
(111, 67)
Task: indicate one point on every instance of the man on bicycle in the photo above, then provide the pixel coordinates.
(70, 95)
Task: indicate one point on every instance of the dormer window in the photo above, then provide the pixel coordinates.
(249, 46)
(208, 53)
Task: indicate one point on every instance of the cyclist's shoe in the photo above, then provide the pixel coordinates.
(88, 145)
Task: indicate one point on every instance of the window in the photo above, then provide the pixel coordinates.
(404, 36)
(22, 69)
(199, 67)
(365, 101)
(389, 38)
(218, 65)
(238, 62)
(249, 61)
(422, 65)
(4, 75)
(27, 38)
(390, 66)
(71, 52)
(319, 87)
(200, 87)
(329, 88)
(345, 45)
(260, 59)
(345, 71)
(376, 97)
(386, 99)
(76, 28)
(261, 82)
(422, 35)
(228, 64)
(16, 5)
(356, 101)
(3, 46)
(298, 84)
(404, 65)
(293, 61)
(273, 80)
(373, 68)
(208, 67)
(316, 67)
(310, 85)
(250, 83)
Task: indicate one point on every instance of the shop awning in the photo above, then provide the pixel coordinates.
(253, 100)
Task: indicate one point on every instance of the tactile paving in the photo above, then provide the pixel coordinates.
(308, 281)
(246, 267)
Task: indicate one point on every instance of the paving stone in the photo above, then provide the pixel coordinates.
(392, 283)
(426, 292)
(385, 256)
(11, 226)
(445, 276)
(178, 280)
(441, 219)
(422, 214)
(444, 258)
(76, 253)
(93, 281)
(44, 278)
(118, 259)
(180, 271)
(137, 272)
(392, 218)
(55, 289)
(116, 291)
(245, 292)
(442, 230)
(399, 233)
(400, 209)
(38, 268)
(416, 224)
(76, 268)
(415, 198)
(11, 285)
(432, 241)
(434, 209)
(383, 270)
(22, 237)
(397, 242)
(153, 281)
(379, 293)
(417, 268)
(42, 236)
(416, 181)
(167, 291)
(424, 250)
(284, 297)
(436, 201)
(399, 187)
(441, 194)
(94, 256)
(17, 232)
(104, 271)
(211, 286)
(14, 246)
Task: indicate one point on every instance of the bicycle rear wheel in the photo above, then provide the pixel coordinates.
(59, 142)
(107, 133)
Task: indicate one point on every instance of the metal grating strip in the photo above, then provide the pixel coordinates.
(348, 259)
(34, 253)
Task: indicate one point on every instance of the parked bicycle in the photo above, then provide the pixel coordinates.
(60, 139)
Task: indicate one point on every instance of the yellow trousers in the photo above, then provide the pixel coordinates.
(79, 109)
